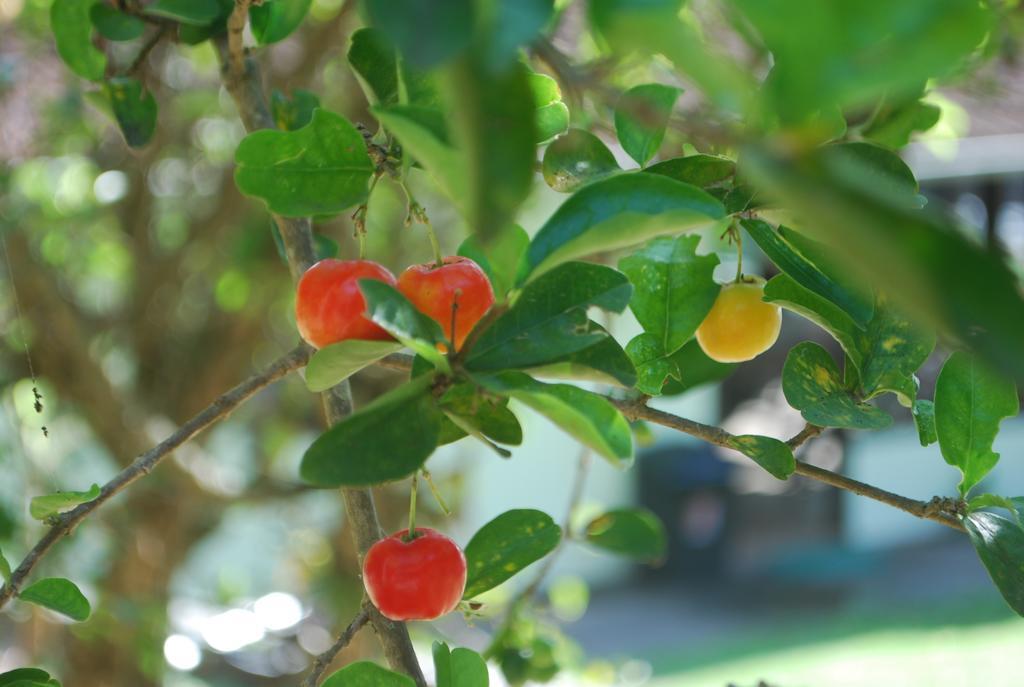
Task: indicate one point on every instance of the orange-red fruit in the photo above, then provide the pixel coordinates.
(421, 579)
(329, 307)
(740, 325)
(434, 289)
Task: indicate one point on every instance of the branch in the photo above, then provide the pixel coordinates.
(235, 27)
(223, 406)
(323, 660)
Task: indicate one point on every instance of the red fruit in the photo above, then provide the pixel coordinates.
(434, 289)
(329, 307)
(420, 579)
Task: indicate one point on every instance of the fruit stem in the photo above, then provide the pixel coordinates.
(412, 509)
(415, 211)
(738, 235)
(436, 492)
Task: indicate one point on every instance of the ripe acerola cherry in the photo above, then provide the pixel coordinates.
(740, 326)
(434, 289)
(420, 579)
(329, 307)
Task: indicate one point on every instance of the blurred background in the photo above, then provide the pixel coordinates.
(137, 286)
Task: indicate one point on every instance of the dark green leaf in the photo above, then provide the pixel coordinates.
(970, 402)
(813, 385)
(191, 34)
(641, 116)
(25, 677)
(702, 171)
(366, 674)
(621, 211)
(1013, 506)
(588, 417)
(5, 569)
(695, 368)
(43, 507)
(506, 545)
(320, 169)
(633, 532)
(423, 134)
(392, 311)
(653, 365)
(924, 420)
(1000, 546)
(275, 20)
(548, 320)
(459, 667)
(72, 30)
(387, 440)
(771, 454)
(194, 12)
(114, 25)
(891, 350)
(333, 364)
(426, 32)
(483, 413)
(58, 595)
(134, 108)
(673, 288)
(552, 113)
(577, 158)
(377, 64)
(502, 259)
(784, 291)
(876, 167)
(603, 361)
(291, 114)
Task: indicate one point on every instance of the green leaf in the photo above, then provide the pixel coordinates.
(194, 12)
(1000, 546)
(653, 365)
(771, 454)
(813, 385)
(426, 32)
(890, 351)
(386, 440)
(695, 368)
(633, 532)
(114, 25)
(459, 667)
(335, 363)
(894, 125)
(320, 169)
(617, 212)
(385, 78)
(641, 117)
(507, 25)
(366, 674)
(673, 288)
(702, 171)
(877, 167)
(291, 114)
(484, 413)
(791, 261)
(26, 677)
(393, 312)
(552, 113)
(275, 20)
(588, 417)
(577, 158)
(134, 108)
(970, 402)
(603, 361)
(191, 34)
(58, 595)
(783, 290)
(502, 259)
(924, 420)
(5, 570)
(1013, 506)
(549, 320)
(43, 507)
(72, 31)
(506, 545)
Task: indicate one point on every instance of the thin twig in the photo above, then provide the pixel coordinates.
(147, 48)
(321, 663)
(223, 406)
(236, 27)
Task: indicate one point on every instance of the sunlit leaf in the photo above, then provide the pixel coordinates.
(459, 667)
(43, 507)
(366, 674)
(393, 312)
(813, 385)
(72, 30)
(337, 362)
(506, 545)
(771, 454)
(58, 595)
(576, 158)
(632, 532)
(641, 117)
(1000, 546)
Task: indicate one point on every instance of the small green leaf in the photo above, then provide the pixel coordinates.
(502, 259)
(1000, 546)
(459, 667)
(1011, 505)
(588, 417)
(673, 288)
(548, 320)
(771, 454)
(813, 385)
(72, 31)
(552, 113)
(483, 413)
(620, 211)
(970, 402)
(393, 312)
(114, 25)
(702, 171)
(366, 674)
(577, 158)
(43, 507)
(5, 569)
(193, 12)
(405, 22)
(386, 440)
(633, 532)
(506, 545)
(134, 108)
(291, 114)
(320, 169)
(26, 677)
(374, 60)
(275, 20)
(58, 595)
(653, 365)
(924, 420)
(641, 117)
(191, 34)
(333, 364)
(695, 368)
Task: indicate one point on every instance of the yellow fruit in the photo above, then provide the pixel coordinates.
(740, 325)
